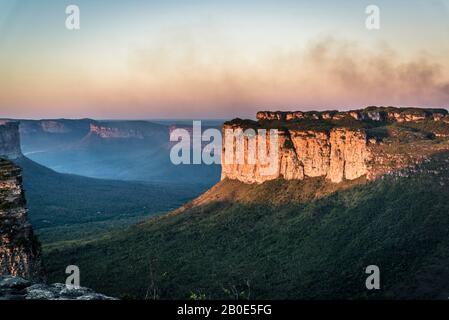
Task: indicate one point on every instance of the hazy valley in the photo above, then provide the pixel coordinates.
(119, 150)
(83, 177)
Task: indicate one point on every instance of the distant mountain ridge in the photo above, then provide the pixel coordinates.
(10, 140)
(67, 206)
(112, 149)
(393, 114)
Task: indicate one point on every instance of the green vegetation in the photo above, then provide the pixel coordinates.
(321, 125)
(431, 128)
(282, 239)
(67, 207)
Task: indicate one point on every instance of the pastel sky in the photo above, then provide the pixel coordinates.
(141, 59)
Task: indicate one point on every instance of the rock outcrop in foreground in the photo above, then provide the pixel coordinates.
(340, 145)
(16, 288)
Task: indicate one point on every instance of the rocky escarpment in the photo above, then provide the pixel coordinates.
(370, 113)
(69, 129)
(10, 140)
(137, 130)
(53, 126)
(114, 132)
(337, 145)
(58, 127)
(19, 248)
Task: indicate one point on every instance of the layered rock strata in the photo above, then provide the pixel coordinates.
(19, 249)
(338, 155)
(370, 113)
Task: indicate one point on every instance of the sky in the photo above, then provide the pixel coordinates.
(141, 59)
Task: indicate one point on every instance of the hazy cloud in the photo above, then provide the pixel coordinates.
(327, 73)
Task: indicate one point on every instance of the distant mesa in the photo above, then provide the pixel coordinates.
(10, 140)
(137, 129)
(53, 126)
(114, 132)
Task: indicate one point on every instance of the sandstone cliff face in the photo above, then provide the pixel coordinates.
(338, 145)
(19, 249)
(337, 155)
(349, 155)
(10, 140)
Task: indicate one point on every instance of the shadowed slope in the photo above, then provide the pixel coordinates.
(241, 245)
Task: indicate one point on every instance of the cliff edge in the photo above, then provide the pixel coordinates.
(20, 253)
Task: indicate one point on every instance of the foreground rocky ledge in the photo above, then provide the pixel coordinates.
(16, 288)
